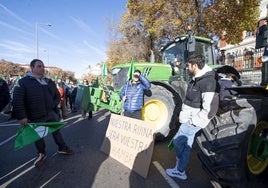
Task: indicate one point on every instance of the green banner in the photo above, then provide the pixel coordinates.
(35, 131)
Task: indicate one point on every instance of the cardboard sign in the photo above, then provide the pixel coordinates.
(131, 142)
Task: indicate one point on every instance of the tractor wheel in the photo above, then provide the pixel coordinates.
(257, 149)
(160, 109)
(228, 147)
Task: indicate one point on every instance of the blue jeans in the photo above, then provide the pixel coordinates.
(183, 141)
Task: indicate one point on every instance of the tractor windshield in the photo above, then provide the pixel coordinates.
(175, 54)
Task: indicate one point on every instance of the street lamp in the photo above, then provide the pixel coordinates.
(47, 67)
(47, 51)
(36, 30)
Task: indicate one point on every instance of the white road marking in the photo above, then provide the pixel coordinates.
(11, 180)
(50, 180)
(10, 138)
(169, 180)
(8, 124)
(17, 168)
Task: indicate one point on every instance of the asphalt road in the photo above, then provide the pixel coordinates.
(88, 167)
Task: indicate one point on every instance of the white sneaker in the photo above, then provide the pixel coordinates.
(175, 173)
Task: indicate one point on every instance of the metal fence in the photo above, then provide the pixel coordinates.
(248, 63)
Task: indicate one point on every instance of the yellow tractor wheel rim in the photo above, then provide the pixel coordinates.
(155, 111)
(256, 166)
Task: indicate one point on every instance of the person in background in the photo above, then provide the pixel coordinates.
(132, 95)
(4, 94)
(199, 107)
(225, 83)
(84, 112)
(62, 104)
(35, 99)
(68, 96)
(8, 109)
(73, 97)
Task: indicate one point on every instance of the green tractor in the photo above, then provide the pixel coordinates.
(234, 146)
(168, 79)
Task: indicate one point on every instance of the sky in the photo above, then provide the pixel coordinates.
(77, 38)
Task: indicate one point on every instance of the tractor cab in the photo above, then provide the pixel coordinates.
(177, 52)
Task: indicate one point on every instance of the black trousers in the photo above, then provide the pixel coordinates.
(41, 145)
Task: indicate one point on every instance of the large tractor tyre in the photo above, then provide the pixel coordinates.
(161, 109)
(257, 151)
(226, 144)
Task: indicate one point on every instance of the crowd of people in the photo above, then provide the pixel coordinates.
(67, 93)
(199, 106)
(36, 98)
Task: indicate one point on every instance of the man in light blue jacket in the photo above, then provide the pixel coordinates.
(132, 94)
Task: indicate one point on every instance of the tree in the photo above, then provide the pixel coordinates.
(147, 24)
(231, 18)
(9, 69)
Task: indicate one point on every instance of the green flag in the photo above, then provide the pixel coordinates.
(170, 145)
(96, 83)
(130, 70)
(33, 132)
(104, 70)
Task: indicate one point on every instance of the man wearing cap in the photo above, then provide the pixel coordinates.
(132, 95)
(199, 107)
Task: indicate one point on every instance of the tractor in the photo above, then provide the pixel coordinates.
(234, 146)
(162, 103)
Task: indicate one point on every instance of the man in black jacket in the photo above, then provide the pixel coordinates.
(4, 94)
(199, 107)
(35, 99)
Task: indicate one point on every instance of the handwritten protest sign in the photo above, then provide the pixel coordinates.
(131, 142)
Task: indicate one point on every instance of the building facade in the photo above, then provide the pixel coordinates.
(243, 56)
